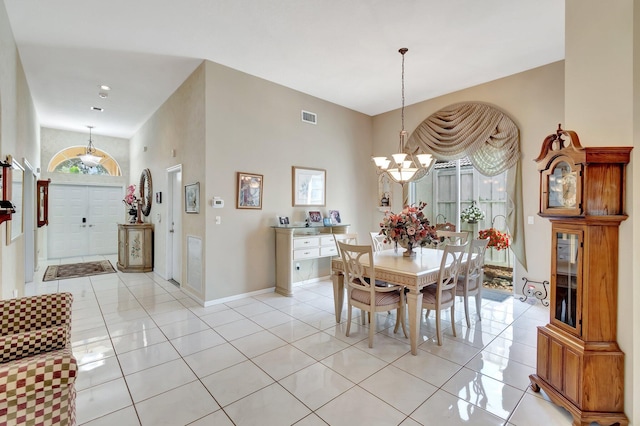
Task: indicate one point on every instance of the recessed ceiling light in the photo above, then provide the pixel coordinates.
(103, 95)
(97, 109)
(104, 87)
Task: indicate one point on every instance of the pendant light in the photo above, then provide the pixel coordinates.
(90, 158)
(404, 169)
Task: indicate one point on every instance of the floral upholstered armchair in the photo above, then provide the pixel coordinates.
(37, 367)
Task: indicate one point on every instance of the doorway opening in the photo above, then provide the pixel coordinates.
(174, 225)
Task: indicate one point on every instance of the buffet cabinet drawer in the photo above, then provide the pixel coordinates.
(329, 251)
(309, 253)
(300, 243)
(327, 241)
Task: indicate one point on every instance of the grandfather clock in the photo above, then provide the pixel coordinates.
(580, 365)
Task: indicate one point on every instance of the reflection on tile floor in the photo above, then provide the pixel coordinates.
(150, 355)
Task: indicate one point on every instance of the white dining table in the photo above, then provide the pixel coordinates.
(414, 273)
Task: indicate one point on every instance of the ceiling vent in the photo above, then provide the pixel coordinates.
(309, 117)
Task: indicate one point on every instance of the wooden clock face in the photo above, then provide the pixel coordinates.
(562, 187)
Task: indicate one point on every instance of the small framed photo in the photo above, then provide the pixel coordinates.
(314, 217)
(192, 198)
(283, 220)
(334, 215)
(326, 221)
(249, 194)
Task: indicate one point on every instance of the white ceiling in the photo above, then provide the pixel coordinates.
(343, 51)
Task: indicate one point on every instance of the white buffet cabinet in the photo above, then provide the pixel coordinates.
(294, 244)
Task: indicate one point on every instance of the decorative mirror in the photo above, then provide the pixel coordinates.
(43, 202)
(146, 191)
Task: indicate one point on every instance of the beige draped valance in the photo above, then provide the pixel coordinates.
(491, 141)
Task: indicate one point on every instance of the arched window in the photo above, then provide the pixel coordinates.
(67, 161)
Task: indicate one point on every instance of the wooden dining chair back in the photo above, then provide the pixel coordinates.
(377, 241)
(452, 237)
(442, 295)
(364, 295)
(351, 238)
(471, 277)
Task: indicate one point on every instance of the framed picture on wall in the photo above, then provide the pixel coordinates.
(309, 186)
(249, 191)
(192, 198)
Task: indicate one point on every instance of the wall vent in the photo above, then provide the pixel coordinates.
(309, 117)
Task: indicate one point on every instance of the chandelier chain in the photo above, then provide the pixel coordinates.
(402, 51)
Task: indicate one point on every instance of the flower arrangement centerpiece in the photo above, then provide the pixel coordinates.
(409, 229)
(497, 239)
(472, 214)
(131, 201)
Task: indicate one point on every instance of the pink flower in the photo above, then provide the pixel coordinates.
(410, 226)
(130, 198)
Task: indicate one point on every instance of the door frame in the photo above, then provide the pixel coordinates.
(29, 221)
(173, 200)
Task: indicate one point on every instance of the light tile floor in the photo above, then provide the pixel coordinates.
(150, 355)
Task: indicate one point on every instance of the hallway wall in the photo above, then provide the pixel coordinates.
(19, 137)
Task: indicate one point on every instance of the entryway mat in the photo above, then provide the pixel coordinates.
(496, 296)
(75, 270)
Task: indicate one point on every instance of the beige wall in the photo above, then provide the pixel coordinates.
(220, 122)
(19, 138)
(600, 100)
(255, 126)
(177, 125)
(534, 101)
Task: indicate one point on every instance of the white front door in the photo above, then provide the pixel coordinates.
(83, 220)
(105, 211)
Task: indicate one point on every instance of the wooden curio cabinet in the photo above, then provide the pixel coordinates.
(579, 364)
(42, 203)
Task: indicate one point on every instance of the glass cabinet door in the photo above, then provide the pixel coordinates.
(561, 191)
(567, 278)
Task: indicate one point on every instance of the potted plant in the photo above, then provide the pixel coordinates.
(472, 214)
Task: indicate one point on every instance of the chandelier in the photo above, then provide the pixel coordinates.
(90, 158)
(406, 167)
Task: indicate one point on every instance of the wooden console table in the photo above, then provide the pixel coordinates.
(135, 247)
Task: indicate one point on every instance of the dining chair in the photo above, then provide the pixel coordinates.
(362, 295)
(351, 238)
(472, 275)
(441, 295)
(377, 241)
(451, 237)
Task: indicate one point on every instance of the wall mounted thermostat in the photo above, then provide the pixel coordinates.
(217, 203)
